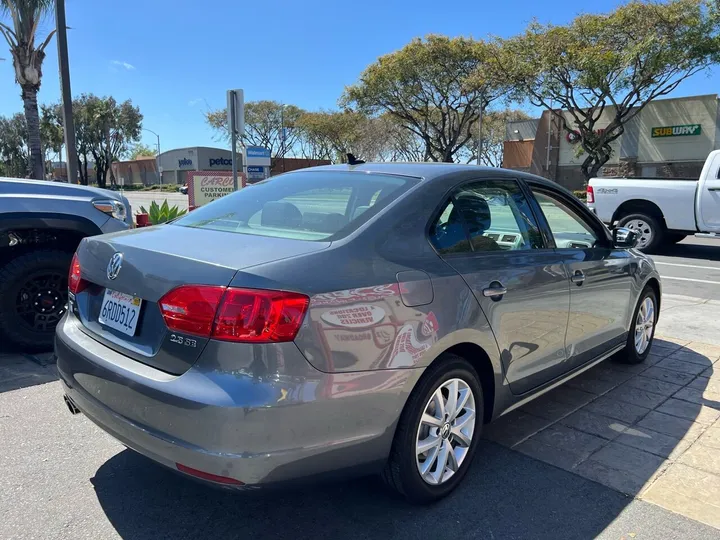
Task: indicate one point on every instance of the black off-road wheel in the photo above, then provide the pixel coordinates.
(438, 432)
(33, 298)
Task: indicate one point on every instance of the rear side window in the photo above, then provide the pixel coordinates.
(491, 215)
(307, 205)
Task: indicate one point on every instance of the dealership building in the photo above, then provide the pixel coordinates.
(668, 138)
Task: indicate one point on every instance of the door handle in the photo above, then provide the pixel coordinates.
(496, 291)
(713, 188)
(578, 278)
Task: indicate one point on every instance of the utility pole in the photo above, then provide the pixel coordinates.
(157, 160)
(64, 65)
(480, 128)
(282, 135)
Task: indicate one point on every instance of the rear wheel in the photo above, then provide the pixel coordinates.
(642, 329)
(650, 230)
(438, 432)
(33, 298)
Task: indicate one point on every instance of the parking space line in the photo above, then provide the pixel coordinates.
(690, 279)
(689, 265)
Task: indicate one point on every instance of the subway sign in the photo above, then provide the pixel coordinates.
(677, 131)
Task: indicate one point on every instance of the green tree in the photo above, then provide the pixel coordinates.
(13, 146)
(51, 132)
(140, 150)
(604, 69)
(104, 132)
(434, 87)
(264, 123)
(21, 35)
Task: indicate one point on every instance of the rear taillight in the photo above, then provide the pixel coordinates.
(76, 283)
(191, 308)
(228, 314)
(590, 195)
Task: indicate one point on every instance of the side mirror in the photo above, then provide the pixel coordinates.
(624, 238)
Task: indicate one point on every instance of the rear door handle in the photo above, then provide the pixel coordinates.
(578, 278)
(496, 291)
(714, 188)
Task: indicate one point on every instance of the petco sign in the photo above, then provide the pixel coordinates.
(206, 186)
(220, 162)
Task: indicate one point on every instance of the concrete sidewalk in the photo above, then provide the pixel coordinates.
(651, 431)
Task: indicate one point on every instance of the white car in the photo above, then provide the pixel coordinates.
(661, 210)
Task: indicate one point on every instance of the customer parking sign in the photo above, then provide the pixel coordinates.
(206, 186)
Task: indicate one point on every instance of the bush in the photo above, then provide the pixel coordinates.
(162, 213)
(582, 195)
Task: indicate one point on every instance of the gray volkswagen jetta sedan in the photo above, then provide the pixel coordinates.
(348, 319)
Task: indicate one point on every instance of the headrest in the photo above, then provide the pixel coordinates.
(280, 214)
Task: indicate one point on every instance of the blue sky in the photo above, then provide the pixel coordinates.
(176, 58)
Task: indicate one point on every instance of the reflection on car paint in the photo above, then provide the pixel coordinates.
(348, 321)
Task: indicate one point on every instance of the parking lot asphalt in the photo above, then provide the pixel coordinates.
(691, 268)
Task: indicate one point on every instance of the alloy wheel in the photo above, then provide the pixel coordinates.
(445, 432)
(644, 325)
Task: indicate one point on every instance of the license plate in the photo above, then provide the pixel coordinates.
(120, 311)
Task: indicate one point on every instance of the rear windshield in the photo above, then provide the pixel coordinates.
(307, 205)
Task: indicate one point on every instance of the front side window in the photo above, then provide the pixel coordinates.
(491, 215)
(307, 205)
(568, 228)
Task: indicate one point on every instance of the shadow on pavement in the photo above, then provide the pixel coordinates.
(22, 371)
(691, 251)
(505, 495)
(580, 450)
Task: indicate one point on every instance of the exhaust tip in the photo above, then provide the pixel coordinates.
(71, 405)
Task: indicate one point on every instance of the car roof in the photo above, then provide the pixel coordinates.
(429, 170)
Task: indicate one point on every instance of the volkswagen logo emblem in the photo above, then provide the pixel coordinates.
(114, 266)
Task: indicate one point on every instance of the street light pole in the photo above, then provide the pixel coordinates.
(282, 135)
(158, 153)
(64, 65)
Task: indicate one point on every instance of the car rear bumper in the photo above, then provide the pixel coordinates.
(236, 424)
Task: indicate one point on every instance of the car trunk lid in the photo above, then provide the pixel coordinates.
(154, 261)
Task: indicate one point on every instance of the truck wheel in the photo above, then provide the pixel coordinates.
(33, 298)
(651, 232)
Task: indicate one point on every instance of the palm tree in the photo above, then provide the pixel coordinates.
(27, 61)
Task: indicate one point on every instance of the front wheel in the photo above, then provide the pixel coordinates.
(438, 432)
(642, 330)
(650, 230)
(33, 298)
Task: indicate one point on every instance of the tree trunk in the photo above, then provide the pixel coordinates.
(32, 118)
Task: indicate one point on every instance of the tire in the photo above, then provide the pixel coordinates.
(33, 298)
(402, 469)
(651, 230)
(674, 238)
(631, 354)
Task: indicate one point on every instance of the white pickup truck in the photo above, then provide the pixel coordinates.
(661, 210)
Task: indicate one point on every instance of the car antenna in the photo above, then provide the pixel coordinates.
(352, 160)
